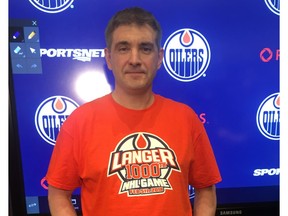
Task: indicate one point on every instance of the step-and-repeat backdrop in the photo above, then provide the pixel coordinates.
(221, 58)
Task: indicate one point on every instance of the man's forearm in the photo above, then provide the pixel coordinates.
(205, 202)
(60, 202)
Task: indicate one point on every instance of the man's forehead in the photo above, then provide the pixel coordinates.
(134, 33)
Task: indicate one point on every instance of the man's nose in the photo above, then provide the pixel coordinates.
(135, 58)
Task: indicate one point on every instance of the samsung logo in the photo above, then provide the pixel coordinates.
(231, 212)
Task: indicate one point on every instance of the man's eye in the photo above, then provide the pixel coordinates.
(123, 49)
(146, 50)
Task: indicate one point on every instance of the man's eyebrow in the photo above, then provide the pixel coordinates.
(148, 43)
(142, 44)
(121, 43)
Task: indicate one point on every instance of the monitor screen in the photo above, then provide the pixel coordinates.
(218, 59)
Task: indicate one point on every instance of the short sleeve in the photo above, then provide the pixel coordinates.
(63, 168)
(204, 170)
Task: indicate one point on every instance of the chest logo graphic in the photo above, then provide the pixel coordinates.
(143, 163)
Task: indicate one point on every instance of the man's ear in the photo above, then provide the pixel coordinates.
(160, 57)
(108, 58)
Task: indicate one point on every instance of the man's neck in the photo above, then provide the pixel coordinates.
(134, 101)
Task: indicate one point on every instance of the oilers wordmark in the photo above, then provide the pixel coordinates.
(187, 61)
(271, 121)
(52, 123)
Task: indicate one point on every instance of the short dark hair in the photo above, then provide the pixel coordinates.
(133, 15)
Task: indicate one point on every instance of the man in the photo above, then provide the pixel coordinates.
(133, 152)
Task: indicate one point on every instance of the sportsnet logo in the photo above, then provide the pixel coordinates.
(83, 55)
(143, 162)
(187, 55)
(268, 117)
(51, 6)
(51, 114)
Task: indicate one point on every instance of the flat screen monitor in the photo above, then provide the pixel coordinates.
(218, 59)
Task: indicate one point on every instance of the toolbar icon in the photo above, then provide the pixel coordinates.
(16, 34)
(33, 50)
(31, 34)
(17, 50)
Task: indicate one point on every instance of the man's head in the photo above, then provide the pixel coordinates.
(129, 16)
(133, 51)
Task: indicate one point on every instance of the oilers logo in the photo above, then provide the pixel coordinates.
(187, 55)
(143, 163)
(274, 6)
(51, 114)
(51, 6)
(268, 117)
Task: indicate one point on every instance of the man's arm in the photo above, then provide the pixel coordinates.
(60, 202)
(205, 201)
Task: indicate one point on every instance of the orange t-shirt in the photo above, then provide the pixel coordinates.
(133, 162)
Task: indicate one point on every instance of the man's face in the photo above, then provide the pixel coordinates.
(134, 58)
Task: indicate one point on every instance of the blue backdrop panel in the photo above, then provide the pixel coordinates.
(221, 58)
